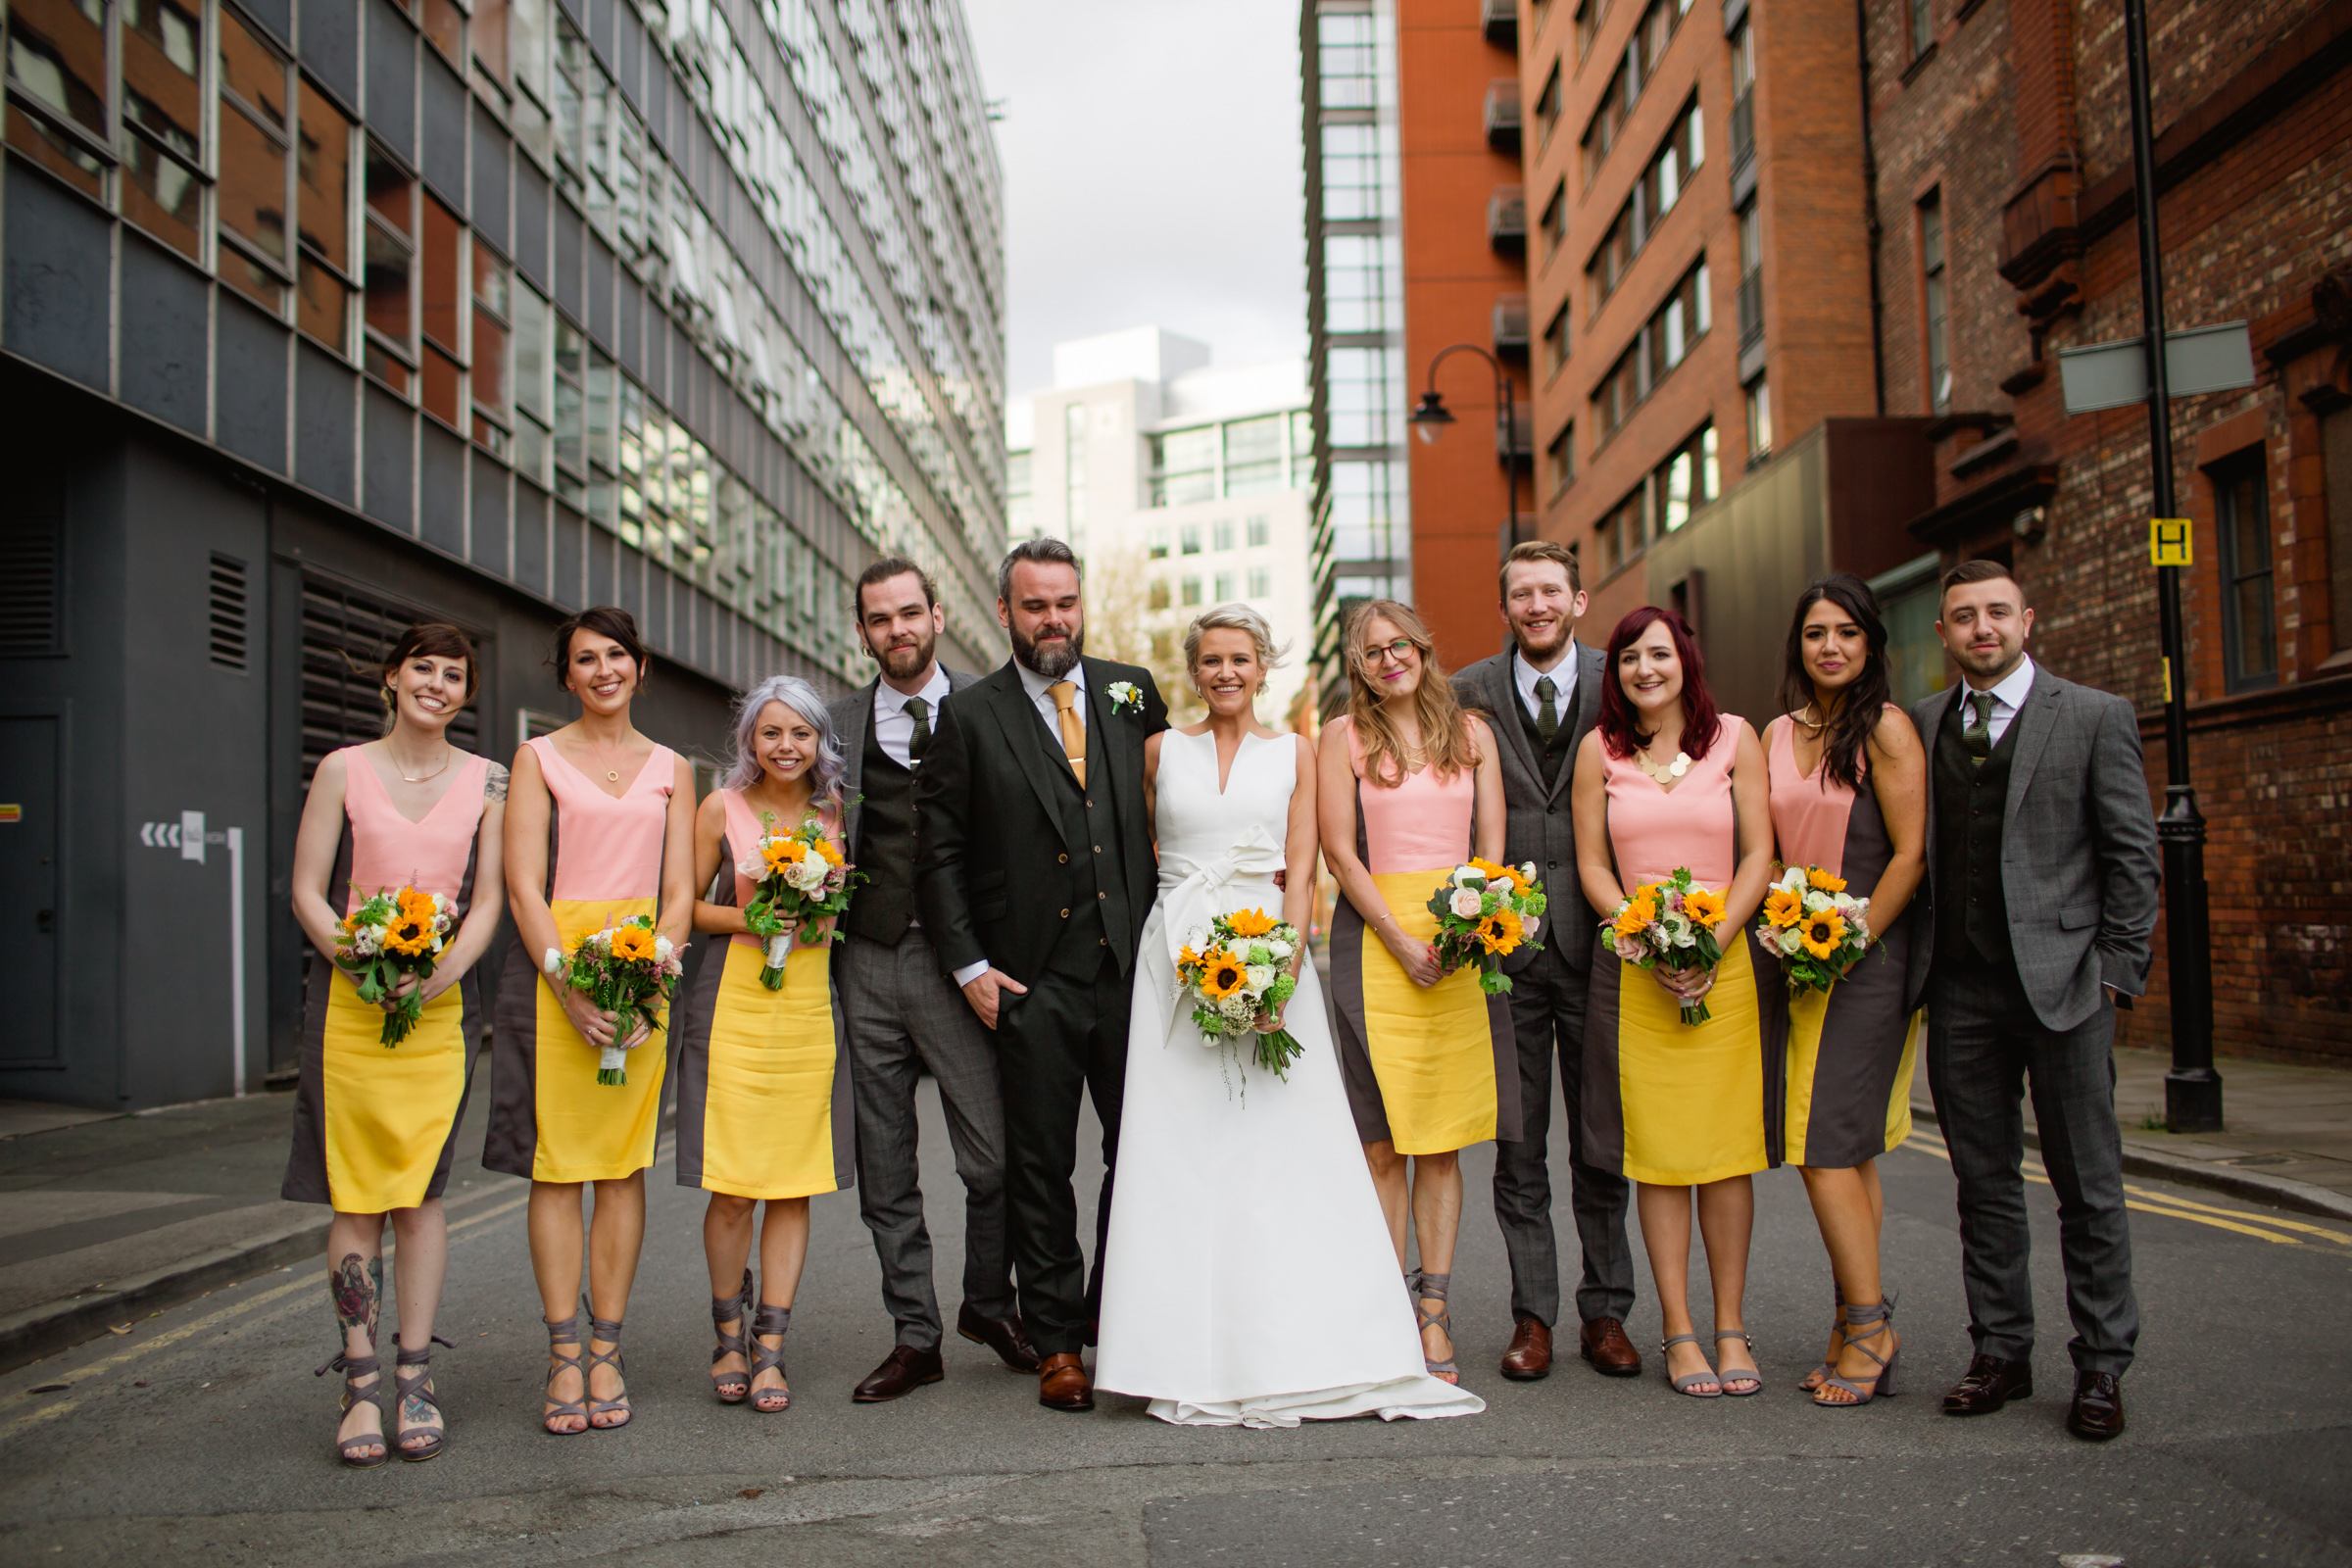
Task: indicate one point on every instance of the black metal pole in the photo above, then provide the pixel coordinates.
(1511, 450)
(2192, 1090)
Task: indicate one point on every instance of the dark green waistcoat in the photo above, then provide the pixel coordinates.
(1972, 909)
(884, 906)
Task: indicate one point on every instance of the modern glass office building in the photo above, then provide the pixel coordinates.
(318, 317)
(1363, 539)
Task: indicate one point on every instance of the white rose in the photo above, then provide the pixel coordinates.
(1792, 941)
(1280, 949)
(1469, 876)
(1261, 975)
(1465, 904)
(806, 876)
(1793, 880)
(1528, 927)
(662, 949)
(1818, 900)
(1527, 873)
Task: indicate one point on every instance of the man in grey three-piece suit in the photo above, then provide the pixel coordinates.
(1541, 695)
(2041, 897)
(904, 1013)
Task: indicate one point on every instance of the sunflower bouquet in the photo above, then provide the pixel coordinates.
(1483, 912)
(389, 937)
(1669, 925)
(1234, 968)
(796, 876)
(625, 969)
(1818, 929)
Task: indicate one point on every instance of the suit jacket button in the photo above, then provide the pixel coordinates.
(1065, 914)
(1063, 859)
(1098, 848)
(1101, 894)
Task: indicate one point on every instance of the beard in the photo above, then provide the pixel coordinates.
(908, 661)
(1561, 630)
(1054, 660)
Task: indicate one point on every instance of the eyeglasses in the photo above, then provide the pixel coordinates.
(1381, 652)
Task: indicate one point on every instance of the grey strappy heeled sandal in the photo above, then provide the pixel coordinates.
(1435, 1286)
(1880, 1315)
(1727, 1377)
(352, 1450)
(608, 1330)
(1689, 1383)
(412, 1386)
(732, 1388)
(560, 1334)
(1822, 1373)
(769, 1320)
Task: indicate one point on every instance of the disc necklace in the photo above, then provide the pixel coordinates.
(613, 774)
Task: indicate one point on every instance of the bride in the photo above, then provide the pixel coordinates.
(1249, 1278)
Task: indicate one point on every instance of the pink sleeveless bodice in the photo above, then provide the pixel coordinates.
(743, 831)
(388, 850)
(1653, 831)
(1419, 824)
(606, 849)
(1810, 816)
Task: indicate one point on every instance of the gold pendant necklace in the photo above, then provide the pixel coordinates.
(447, 751)
(1668, 773)
(611, 774)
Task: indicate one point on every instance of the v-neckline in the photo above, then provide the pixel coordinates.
(1224, 774)
(1789, 740)
(626, 790)
(447, 790)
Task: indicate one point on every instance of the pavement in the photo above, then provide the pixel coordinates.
(197, 1431)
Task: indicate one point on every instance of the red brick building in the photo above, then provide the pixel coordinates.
(2000, 138)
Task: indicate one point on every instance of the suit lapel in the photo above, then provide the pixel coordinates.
(853, 750)
(2034, 723)
(1583, 710)
(1025, 735)
(1107, 760)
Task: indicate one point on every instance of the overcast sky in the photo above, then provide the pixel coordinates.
(1151, 171)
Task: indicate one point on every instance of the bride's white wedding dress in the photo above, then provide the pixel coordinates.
(1248, 1277)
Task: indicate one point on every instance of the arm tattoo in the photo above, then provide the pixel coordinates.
(494, 785)
(358, 1287)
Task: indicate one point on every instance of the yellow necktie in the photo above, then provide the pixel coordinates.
(1073, 733)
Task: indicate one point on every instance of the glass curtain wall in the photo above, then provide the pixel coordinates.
(1363, 539)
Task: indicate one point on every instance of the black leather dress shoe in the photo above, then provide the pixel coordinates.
(2099, 1408)
(902, 1372)
(1003, 1335)
(1991, 1384)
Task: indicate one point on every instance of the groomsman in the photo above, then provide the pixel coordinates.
(903, 1014)
(2041, 888)
(1543, 694)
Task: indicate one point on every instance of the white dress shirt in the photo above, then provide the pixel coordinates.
(893, 726)
(1563, 677)
(1041, 697)
(2007, 698)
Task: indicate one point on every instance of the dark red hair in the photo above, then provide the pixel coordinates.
(1700, 721)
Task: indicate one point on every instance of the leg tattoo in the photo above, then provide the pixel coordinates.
(358, 1287)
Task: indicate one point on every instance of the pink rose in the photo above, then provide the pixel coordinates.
(1465, 904)
(1630, 949)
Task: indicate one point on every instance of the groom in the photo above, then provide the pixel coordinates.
(1034, 872)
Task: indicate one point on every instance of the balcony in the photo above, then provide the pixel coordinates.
(1500, 20)
(1506, 220)
(1744, 148)
(1510, 327)
(1751, 324)
(1503, 114)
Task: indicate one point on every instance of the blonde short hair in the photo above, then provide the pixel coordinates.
(1233, 618)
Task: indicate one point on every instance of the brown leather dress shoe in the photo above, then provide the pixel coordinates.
(1061, 1383)
(2099, 1408)
(1530, 1354)
(902, 1372)
(1991, 1384)
(1602, 1342)
(1003, 1335)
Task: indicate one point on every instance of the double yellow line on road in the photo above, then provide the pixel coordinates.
(2260, 1224)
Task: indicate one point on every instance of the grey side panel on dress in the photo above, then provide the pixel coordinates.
(1348, 1033)
(1864, 1026)
(690, 1038)
(512, 1144)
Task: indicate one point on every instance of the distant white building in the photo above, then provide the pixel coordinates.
(1151, 463)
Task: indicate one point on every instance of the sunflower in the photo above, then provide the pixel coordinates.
(1492, 871)
(1822, 880)
(1703, 907)
(1185, 957)
(1499, 932)
(1246, 923)
(1784, 908)
(408, 935)
(781, 853)
(1823, 933)
(633, 944)
(825, 848)
(1221, 973)
(1636, 914)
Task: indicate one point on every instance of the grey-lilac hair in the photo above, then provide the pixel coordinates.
(824, 779)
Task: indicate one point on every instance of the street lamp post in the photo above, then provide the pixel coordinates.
(2192, 1090)
(1429, 419)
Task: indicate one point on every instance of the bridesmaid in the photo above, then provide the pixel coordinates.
(1408, 786)
(600, 829)
(1850, 1050)
(373, 1127)
(764, 1085)
(1664, 781)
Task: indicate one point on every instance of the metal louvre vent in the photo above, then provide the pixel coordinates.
(228, 632)
(32, 587)
(345, 635)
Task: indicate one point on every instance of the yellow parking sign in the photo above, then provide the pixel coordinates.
(2169, 543)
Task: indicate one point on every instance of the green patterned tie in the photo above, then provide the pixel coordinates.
(920, 740)
(1548, 722)
(1977, 733)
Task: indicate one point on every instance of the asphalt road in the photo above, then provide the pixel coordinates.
(201, 1435)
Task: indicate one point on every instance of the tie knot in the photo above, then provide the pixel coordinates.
(918, 707)
(1064, 693)
(1545, 689)
(1981, 701)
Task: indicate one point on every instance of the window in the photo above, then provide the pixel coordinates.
(1751, 275)
(533, 370)
(1618, 537)
(1615, 397)
(1303, 449)
(571, 409)
(1222, 531)
(1555, 341)
(1261, 582)
(1253, 459)
(322, 220)
(1159, 599)
(1642, 50)
(1555, 220)
(1359, 275)
(1588, 21)
(1931, 281)
(1366, 396)
(1159, 544)
(1354, 185)
(163, 118)
(1655, 194)
(2335, 443)
(1559, 458)
(254, 136)
(1189, 592)
(438, 313)
(1020, 505)
(1224, 587)
(1923, 26)
(1073, 466)
(388, 269)
(1189, 538)
(1685, 481)
(1744, 96)
(1261, 532)
(493, 348)
(1677, 325)
(1548, 106)
(1759, 420)
(1184, 466)
(2241, 512)
(1347, 57)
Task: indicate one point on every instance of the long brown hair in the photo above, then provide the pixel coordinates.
(1445, 729)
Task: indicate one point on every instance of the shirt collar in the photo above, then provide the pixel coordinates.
(1564, 675)
(888, 698)
(1036, 685)
(2011, 693)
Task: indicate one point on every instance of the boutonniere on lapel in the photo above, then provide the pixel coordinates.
(1125, 697)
